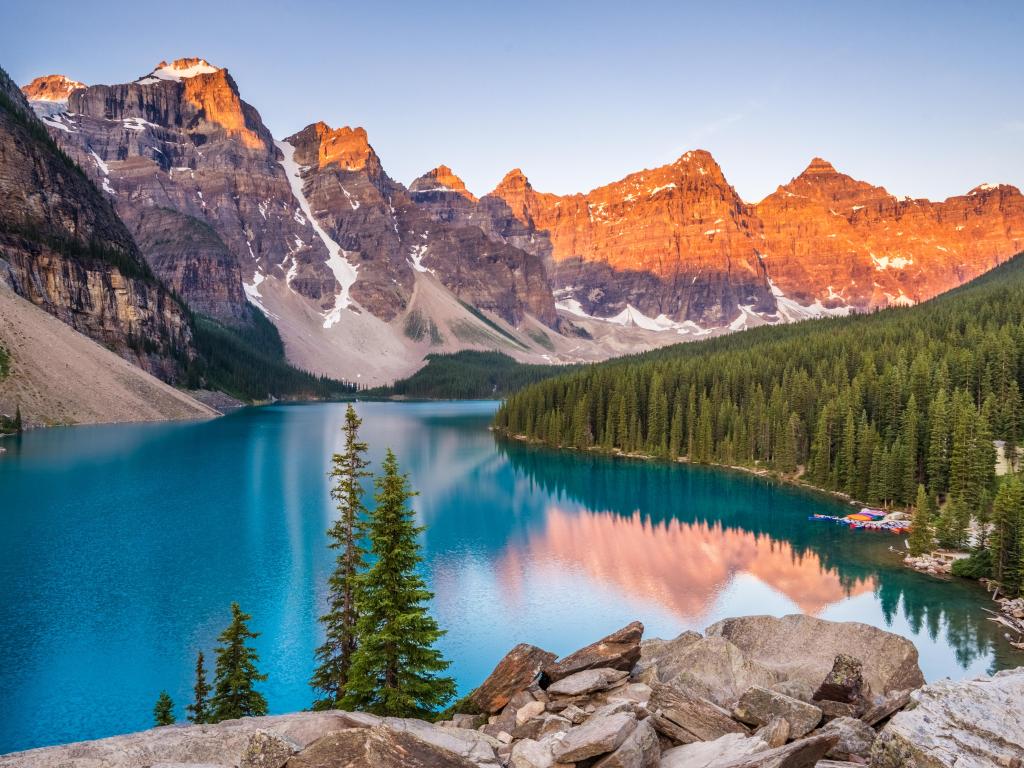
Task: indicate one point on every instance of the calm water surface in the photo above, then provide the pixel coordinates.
(121, 548)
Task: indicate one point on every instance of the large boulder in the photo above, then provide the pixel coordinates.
(685, 718)
(641, 749)
(706, 754)
(516, 671)
(248, 742)
(804, 753)
(378, 747)
(759, 706)
(968, 724)
(855, 737)
(619, 650)
(587, 681)
(710, 667)
(597, 736)
(805, 648)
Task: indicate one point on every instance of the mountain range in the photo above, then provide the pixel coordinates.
(364, 276)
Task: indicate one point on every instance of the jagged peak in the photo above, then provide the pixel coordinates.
(514, 179)
(818, 166)
(178, 70)
(986, 187)
(441, 178)
(55, 88)
(347, 147)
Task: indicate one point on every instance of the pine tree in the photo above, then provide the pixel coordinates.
(921, 538)
(396, 669)
(334, 657)
(199, 709)
(163, 712)
(1005, 543)
(950, 526)
(234, 695)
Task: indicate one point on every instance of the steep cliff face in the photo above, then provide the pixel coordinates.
(387, 232)
(837, 240)
(675, 241)
(63, 248)
(181, 139)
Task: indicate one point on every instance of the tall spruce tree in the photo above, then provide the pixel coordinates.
(334, 657)
(236, 674)
(1006, 542)
(921, 534)
(395, 669)
(199, 709)
(163, 712)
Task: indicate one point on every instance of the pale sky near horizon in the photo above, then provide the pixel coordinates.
(924, 98)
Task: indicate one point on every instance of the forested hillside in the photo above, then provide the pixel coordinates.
(871, 405)
(468, 375)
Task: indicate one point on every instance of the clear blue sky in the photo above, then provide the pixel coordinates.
(926, 99)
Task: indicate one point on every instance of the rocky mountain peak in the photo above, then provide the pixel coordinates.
(54, 88)
(513, 181)
(179, 69)
(818, 166)
(441, 179)
(346, 147)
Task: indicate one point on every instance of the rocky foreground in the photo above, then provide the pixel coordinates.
(753, 692)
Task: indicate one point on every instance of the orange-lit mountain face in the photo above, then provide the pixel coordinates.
(678, 241)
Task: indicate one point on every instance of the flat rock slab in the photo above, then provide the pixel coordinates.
(855, 737)
(711, 667)
(232, 743)
(758, 706)
(597, 736)
(700, 719)
(805, 648)
(798, 754)
(520, 667)
(587, 681)
(619, 650)
(706, 754)
(968, 724)
(378, 747)
(641, 749)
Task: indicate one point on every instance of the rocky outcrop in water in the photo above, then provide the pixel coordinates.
(608, 717)
(63, 247)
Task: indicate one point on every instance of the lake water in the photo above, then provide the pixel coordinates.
(121, 548)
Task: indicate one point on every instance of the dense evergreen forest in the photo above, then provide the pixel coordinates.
(891, 408)
(248, 362)
(469, 375)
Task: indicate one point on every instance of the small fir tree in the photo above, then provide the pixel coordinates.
(334, 657)
(396, 669)
(199, 709)
(921, 537)
(163, 712)
(236, 674)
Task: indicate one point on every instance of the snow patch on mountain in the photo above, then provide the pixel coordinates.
(344, 271)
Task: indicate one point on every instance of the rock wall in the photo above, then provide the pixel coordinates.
(63, 248)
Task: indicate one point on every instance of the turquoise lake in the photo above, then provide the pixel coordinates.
(122, 547)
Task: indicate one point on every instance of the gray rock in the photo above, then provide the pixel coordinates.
(266, 749)
(885, 706)
(529, 711)
(855, 737)
(379, 747)
(795, 689)
(967, 724)
(712, 668)
(225, 743)
(574, 714)
(683, 717)
(844, 682)
(758, 706)
(531, 754)
(804, 753)
(587, 681)
(708, 754)
(619, 650)
(641, 749)
(775, 732)
(597, 736)
(805, 647)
